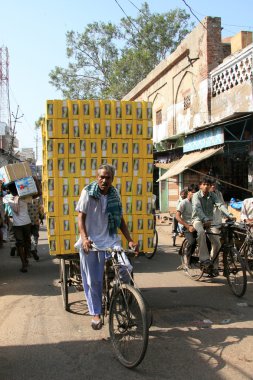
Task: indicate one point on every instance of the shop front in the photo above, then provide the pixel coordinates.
(224, 152)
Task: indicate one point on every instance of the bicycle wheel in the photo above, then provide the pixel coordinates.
(191, 265)
(128, 326)
(248, 257)
(235, 272)
(150, 254)
(64, 284)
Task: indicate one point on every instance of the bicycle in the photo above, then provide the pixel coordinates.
(154, 244)
(246, 249)
(129, 319)
(233, 266)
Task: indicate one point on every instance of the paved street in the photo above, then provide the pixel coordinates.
(200, 330)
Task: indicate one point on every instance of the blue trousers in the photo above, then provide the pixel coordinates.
(92, 270)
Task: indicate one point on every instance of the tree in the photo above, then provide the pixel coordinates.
(107, 61)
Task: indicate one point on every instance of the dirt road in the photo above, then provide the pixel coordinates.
(200, 330)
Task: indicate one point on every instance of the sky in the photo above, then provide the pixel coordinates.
(34, 32)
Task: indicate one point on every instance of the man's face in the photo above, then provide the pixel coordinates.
(205, 187)
(104, 180)
(190, 194)
(213, 187)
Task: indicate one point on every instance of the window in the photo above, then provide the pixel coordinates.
(187, 102)
(158, 117)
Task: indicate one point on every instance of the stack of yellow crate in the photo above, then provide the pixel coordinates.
(79, 136)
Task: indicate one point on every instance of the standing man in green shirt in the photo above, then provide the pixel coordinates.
(203, 203)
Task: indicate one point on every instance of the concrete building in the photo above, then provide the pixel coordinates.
(202, 113)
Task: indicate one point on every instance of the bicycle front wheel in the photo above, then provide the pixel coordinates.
(153, 250)
(128, 326)
(235, 272)
(64, 284)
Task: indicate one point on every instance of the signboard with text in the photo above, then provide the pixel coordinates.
(204, 139)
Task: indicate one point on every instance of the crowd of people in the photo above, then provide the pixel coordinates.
(20, 222)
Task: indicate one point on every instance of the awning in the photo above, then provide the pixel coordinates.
(187, 161)
(166, 166)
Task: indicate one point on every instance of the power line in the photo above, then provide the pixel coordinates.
(128, 17)
(190, 9)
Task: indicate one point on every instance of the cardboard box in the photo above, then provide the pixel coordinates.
(64, 206)
(116, 109)
(148, 167)
(106, 109)
(114, 147)
(26, 186)
(74, 129)
(126, 148)
(53, 226)
(127, 110)
(64, 187)
(75, 187)
(74, 148)
(95, 148)
(85, 129)
(107, 127)
(62, 168)
(127, 188)
(85, 109)
(12, 172)
(148, 185)
(84, 167)
(127, 203)
(138, 186)
(148, 242)
(138, 111)
(147, 149)
(73, 167)
(67, 244)
(118, 184)
(84, 148)
(149, 224)
(65, 225)
(62, 128)
(73, 203)
(137, 148)
(117, 129)
(52, 206)
(126, 167)
(138, 129)
(61, 148)
(54, 245)
(129, 219)
(138, 167)
(73, 106)
(138, 205)
(138, 223)
(97, 130)
(127, 129)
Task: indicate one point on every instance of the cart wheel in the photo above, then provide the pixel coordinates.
(64, 284)
(151, 253)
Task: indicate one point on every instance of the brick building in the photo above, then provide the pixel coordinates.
(202, 110)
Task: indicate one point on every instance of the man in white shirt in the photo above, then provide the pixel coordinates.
(100, 215)
(247, 211)
(21, 224)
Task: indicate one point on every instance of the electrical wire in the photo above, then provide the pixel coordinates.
(129, 18)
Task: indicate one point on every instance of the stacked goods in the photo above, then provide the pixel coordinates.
(19, 173)
(79, 136)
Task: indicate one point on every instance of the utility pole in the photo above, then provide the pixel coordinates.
(36, 146)
(13, 132)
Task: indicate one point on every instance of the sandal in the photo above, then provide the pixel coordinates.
(96, 324)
